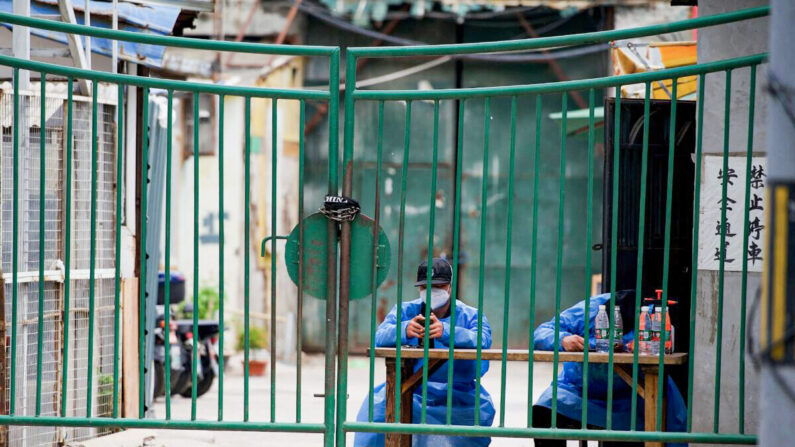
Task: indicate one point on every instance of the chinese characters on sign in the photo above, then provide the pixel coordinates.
(711, 225)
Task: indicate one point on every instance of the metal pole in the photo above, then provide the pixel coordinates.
(777, 388)
(87, 21)
(21, 41)
(115, 49)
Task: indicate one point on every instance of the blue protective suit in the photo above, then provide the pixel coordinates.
(464, 388)
(572, 322)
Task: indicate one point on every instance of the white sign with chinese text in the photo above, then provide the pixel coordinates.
(712, 201)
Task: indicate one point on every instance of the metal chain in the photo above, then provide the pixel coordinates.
(340, 209)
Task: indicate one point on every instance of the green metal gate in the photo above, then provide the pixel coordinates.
(53, 410)
(427, 102)
(550, 159)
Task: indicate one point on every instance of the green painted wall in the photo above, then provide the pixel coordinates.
(418, 182)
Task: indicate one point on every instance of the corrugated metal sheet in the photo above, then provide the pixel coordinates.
(132, 17)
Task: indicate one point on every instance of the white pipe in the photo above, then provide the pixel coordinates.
(87, 19)
(115, 55)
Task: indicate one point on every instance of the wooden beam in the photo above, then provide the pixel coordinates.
(522, 355)
(627, 377)
(129, 300)
(414, 380)
(75, 44)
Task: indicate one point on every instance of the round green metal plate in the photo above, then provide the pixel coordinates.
(315, 251)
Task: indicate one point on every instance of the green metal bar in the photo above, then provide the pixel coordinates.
(702, 86)
(456, 249)
(429, 275)
(401, 233)
(170, 41)
(246, 260)
(166, 84)
(331, 247)
(588, 261)
(557, 87)
(549, 433)
(93, 249)
(509, 232)
(333, 114)
(559, 268)
(482, 266)
(373, 279)
(565, 40)
(221, 233)
(281, 427)
(142, 249)
(667, 250)
(274, 172)
(343, 305)
(67, 283)
(533, 251)
(42, 250)
(167, 283)
(721, 268)
(744, 286)
(641, 245)
(195, 351)
(613, 256)
(15, 250)
(117, 280)
(300, 304)
(268, 239)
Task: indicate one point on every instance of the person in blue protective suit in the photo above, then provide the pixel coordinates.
(569, 397)
(411, 331)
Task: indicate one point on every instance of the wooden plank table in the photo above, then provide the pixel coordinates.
(410, 380)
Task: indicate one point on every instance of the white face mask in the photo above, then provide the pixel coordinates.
(439, 297)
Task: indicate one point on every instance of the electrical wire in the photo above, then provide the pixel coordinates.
(524, 57)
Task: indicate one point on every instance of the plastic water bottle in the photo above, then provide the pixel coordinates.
(669, 337)
(645, 331)
(654, 344)
(602, 328)
(618, 329)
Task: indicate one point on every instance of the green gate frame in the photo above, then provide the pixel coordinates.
(354, 94)
(331, 96)
(336, 426)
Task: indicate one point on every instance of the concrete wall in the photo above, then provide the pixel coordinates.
(716, 43)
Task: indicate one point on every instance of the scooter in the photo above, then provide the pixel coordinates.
(207, 355)
(179, 357)
(180, 333)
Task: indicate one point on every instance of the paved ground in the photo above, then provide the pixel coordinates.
(311, 407)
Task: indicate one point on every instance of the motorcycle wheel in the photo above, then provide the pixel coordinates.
(160, 380)
(202, 386)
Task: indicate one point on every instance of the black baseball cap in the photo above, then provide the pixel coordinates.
(442, 273)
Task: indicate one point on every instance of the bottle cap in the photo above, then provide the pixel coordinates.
(601, 307)
(617, 308)
(644, 308)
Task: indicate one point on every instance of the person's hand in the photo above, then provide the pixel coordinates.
(416, 327)
(436, 329)
(573, 343)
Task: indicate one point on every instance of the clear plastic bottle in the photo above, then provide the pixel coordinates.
(618, 329)
(654, 344)
(602, 329)
(669, 340)
(644, 339)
